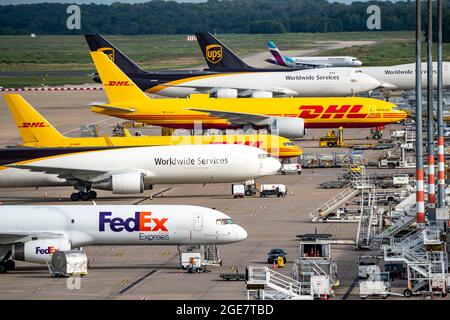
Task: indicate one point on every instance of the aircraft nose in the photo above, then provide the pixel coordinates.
(358, 63)
(269, 166)
(240, 233)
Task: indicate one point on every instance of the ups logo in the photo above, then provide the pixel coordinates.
(214, 53)
(108, 51)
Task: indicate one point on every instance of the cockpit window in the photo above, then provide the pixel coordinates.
(288, 144)
(224, 221)
(355, 60)
(263, 155)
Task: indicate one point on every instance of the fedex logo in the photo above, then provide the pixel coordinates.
(33, 125)
(119, 84)
(332, 112)
(142, 221)
(49, 250)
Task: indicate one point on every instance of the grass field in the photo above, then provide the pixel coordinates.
(31, 58)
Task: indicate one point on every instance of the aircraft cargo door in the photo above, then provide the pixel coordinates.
(198, 221)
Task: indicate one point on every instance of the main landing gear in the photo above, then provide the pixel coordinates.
(7, 265)
(83, 194)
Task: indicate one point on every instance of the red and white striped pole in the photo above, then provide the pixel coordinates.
(430, 109)
(420, 204)
(441, 155)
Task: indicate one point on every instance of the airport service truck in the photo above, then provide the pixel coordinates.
(291, 168)
(278, 190)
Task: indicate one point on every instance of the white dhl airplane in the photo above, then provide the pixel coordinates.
(132, 170)
(403, 76)
(310, 62)
(34, 233)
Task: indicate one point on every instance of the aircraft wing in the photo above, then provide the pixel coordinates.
(243, 91)
(63, 173)
(238, 118)
(14, 237)
(111, 108)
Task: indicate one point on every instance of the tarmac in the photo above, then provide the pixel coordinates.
(153, 272)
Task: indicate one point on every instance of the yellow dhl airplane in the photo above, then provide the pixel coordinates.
(290, 116)
(36, 131)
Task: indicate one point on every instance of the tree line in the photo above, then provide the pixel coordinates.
(226, 16)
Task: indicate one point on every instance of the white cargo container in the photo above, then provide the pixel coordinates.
(238, 190)
(68, 263)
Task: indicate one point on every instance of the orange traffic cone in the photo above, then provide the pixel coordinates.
(275, 264)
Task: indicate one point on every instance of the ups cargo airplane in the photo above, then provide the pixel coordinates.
(36, 131)
(309, 62)
(239, 80)
(398, 77)
(288, 116)
(132, 170)
(34, 233)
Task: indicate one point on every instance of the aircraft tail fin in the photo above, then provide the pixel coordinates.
(33, 127)
(276, 53)
(119, 88)
(217, 55)
(97, 42)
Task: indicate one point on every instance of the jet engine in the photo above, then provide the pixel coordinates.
(226, 93)
(123, 183)
(288, 127)
(38, 251)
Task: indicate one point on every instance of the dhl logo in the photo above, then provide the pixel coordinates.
(332, 112)
(119, 84)
(214, 53)
(256, 144)
(33, 125)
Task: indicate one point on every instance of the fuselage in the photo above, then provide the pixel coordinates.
(276, 146)
(115, 225)
(306, 83)
(403, 77)
(160, 165)
(330, 112)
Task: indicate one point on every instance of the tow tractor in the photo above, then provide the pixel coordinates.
(334, 138)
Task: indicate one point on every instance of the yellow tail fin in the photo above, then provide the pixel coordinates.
(33, 127)
(118, 87)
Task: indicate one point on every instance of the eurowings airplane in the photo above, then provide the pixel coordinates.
(36, 131)
(34, 233)
(238, 80)
(309, 62)
(287, 116)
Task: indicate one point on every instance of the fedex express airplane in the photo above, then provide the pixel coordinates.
(309, 62)
(34, 233)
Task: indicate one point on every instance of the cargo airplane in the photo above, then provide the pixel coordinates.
(34, 233)
(309, 62)
(287, 116)
(239, 79)
(131, 170)
(36, 131)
